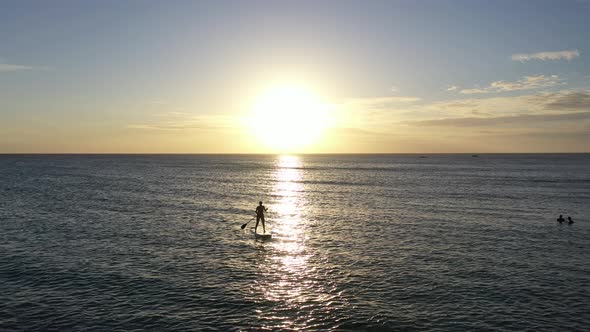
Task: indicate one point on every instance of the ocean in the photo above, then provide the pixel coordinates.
(437, 242)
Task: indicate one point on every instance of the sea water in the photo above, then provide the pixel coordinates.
(360, 242)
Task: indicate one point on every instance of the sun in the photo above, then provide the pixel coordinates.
(288, 118)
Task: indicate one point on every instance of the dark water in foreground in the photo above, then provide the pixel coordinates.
(387, 242)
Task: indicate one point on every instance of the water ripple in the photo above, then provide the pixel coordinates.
(375, 243)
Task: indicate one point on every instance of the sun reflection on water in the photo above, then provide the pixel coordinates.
(288, 189)
(291, 289)
(286, 267)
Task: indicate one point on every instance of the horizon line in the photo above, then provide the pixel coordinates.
(277, 153)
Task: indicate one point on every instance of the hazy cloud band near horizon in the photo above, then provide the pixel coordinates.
(545, 56)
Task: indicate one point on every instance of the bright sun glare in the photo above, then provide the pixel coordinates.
(288, 118)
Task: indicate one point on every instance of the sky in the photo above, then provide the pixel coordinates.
(375, 76)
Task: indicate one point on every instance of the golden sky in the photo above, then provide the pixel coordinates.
(302, 77)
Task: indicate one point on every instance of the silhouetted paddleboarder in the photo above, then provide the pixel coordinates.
(560, 219)
(260, 209)
(569, 220)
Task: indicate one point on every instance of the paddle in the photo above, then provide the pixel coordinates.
(244, 225)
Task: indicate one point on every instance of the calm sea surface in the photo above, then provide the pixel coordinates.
(360, 242)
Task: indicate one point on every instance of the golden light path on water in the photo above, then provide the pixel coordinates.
(288, 228)
(287, 283)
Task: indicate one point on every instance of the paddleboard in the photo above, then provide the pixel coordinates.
(261, 236)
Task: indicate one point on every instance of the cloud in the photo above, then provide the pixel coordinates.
(380, 102)
(532, 121)
(576, 100)
(155, 127)
(545, 56)
(348, 131)
(455, 104)
(526, 83)
(173, 114)
(394, 89)
(475, 90)
(537, 121)
(452, 88)
(157, 102)
(174, 126)
(172, 121)
(536, 103)
(9, 67)
(524, 119)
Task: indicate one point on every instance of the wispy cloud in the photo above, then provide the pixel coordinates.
(545, 56)
(452, 88)
(476, 90)
(526, 83)
(185, 121)
(157, 102)
(380, 102)
(576, 100)
(10, 67)
(454, 104)
(538, 103)
(174, 114)
(160, 127)
(516, 120)
(538, 120)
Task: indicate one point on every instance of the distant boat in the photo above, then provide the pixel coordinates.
(423, 157)
(474, 155)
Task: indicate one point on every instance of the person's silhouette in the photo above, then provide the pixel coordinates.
(560, 219)
(569, 220)
(260, 209)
